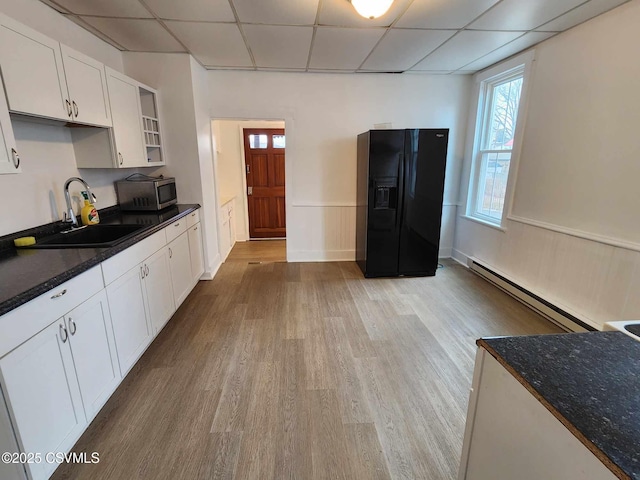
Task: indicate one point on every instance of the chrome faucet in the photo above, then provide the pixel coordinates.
(69, 213)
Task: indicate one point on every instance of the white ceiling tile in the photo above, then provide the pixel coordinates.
(401, 49)
(110, 8)
(580, 14)
(443, 13)
(465, 47)
(512, 48)
(342, 13)
(321, 70)
(523, 14)
(343, 48)
(198, 10)
(213, 44)
(279, 47)
(79, 21)
(277, 12)
(136, 35)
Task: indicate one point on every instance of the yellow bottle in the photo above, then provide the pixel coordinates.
(89, 214)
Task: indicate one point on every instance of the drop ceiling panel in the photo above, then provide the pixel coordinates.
(443, 13)
(342, 13)
(464, 48)
(580, 14)
(94, 31)
(279, 47)
(277, 12)
(523, 14)
(512, 48)
(136, 35)
(213, 44)
(198, 10)
(343, 48)
(110, 8)
(401, 49)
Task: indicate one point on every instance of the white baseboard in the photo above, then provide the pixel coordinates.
(321, 256)
(212, 270)
(461, 258)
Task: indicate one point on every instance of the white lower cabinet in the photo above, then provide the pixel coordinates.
(158, 289)
(129, 317)
(180, 263)
(195, 250)
(94, 352)
(41, 387)
(8, 443)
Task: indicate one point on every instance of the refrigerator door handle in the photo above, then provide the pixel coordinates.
(400, 189)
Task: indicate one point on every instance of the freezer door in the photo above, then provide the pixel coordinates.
(386, 151)
(424, 169)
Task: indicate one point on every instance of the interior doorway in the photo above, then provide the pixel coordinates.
(241, 239)
(264, 159)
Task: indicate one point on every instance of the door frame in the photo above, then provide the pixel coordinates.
(283, 120)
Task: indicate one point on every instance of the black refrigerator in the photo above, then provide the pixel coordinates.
(400, 188)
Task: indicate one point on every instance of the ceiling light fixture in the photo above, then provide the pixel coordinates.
(371, 8)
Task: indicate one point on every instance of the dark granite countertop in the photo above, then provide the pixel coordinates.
(28, 273)
(590, 382)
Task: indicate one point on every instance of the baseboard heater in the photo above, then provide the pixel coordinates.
(548, 310)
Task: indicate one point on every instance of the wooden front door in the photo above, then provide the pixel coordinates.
(264, 167)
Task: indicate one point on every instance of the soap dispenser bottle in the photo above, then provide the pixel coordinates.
(89, 214)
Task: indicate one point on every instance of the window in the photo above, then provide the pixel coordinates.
(499, 100)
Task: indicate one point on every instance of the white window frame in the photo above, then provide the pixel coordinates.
(478, 122)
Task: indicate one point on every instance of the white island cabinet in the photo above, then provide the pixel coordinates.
(511, 435)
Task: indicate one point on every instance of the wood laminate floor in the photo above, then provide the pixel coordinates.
(304, 371)
(259, 251)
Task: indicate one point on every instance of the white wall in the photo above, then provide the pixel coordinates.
(229, 162)
(186, 133)
(47, 158)
(578, 151)
(323, 115)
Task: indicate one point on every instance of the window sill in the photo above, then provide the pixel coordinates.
(485, 223)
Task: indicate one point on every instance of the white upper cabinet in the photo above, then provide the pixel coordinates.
(46, 79)
(32, 71)
(87, 88)
(124, 97)
(9, 158)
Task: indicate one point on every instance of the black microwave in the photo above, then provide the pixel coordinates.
(145, 194)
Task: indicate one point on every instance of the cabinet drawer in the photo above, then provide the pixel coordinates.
(25, 321)
(193, 218)
(176, 229)
(119, 264)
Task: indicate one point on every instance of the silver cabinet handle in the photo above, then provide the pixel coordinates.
(193, 214)
(63, 333)
(59, 294)
(195, 228)
(176, 224)
(121, 158)
(141, 271)
(146, 270)
(72, 326)
(69, 111)
(249, 190)
(75, 109)
(16, 158)
(170, 254)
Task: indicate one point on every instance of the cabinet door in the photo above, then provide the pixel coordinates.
(87, 88)
(124, 98)
(195, 251)
(8, 443)
(9, 159)
(94, 352)
(180, 262)
(43, 395)
(157, 283)
(32, 71)
(129, 318)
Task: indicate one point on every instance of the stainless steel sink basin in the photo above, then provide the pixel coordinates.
(630, 327)
(93, 236)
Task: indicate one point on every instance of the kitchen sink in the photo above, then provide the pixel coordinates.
(93, 236)
(630, 327)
